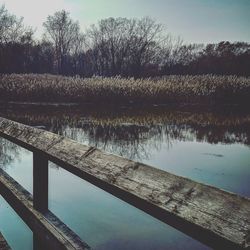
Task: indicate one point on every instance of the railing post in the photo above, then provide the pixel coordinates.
(40, 182)
(38, 244)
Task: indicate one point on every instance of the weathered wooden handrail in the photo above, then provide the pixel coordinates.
(215, 217)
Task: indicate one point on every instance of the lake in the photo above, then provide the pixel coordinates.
(209, 145)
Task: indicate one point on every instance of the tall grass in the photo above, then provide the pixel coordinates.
(168, 89)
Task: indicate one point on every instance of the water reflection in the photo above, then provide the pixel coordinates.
(132, 132)
(8, 153)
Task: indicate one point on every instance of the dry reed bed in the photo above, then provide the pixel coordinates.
(168, 89)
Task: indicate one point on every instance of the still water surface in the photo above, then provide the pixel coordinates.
(208, 146)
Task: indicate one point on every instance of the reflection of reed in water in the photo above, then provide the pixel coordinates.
(134, 133)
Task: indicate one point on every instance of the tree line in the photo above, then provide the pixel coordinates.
(113, 46)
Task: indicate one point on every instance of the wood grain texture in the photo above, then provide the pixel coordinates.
(218, 218)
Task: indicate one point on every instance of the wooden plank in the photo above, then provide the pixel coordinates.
(47, 228)
(3, 243)
(218, 218)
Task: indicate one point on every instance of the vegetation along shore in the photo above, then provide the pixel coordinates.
(203, 89)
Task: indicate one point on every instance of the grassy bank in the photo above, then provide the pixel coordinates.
(169, 89)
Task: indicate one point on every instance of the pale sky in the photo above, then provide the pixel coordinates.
(196, 21)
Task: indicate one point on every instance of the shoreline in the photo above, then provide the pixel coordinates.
(119, 106)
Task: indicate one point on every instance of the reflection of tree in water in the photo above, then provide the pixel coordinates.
(130, 141)
(8, 152)
(134, 133)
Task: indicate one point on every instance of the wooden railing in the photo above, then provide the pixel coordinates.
(213, 216)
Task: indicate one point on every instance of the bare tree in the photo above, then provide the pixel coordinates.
(170, 50)
(122, 46)
(63, 32)
(11, 27)
(109, 42)
(77, 54)
(147, 40)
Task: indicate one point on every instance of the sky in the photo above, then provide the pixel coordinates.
(195, 21)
